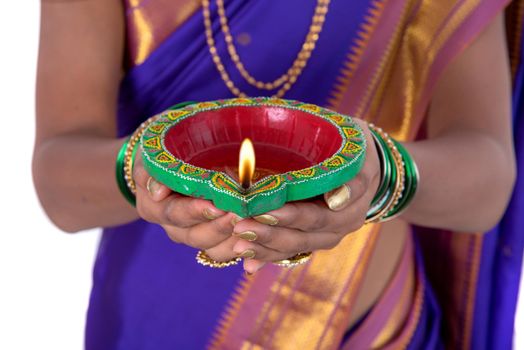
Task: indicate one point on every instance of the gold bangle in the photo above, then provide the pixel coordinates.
(128, 157)
(128, 162)
(295, 260)
(417, 179)
(203, 259)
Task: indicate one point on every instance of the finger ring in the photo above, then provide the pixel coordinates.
(338, 198)
(203, 259)
(295, 260)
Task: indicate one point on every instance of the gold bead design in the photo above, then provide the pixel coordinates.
(128, 155)
(295, 260)
(203, 259)
(286, 80)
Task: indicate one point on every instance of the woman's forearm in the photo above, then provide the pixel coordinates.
(466, 180)
(74, 176)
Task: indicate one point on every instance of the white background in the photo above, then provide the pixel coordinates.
(45, 275)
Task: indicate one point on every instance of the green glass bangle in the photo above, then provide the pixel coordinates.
(397, 187)
(119, 172)
(414, 175)
(410, 185)
(385, 166)
(379, 205)
(182, 104)
(389, 185)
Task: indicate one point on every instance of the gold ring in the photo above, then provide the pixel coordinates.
(203, 259)
(295, 260)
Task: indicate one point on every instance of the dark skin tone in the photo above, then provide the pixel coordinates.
(466, 162)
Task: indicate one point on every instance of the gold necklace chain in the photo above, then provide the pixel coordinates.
(300, 61)
(286, 81)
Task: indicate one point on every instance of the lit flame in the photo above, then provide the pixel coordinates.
(246, 163)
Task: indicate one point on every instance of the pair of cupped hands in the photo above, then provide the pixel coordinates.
(297, 227)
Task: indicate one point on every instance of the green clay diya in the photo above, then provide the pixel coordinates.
(302, 151)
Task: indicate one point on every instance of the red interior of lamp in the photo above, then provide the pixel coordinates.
(284, 139)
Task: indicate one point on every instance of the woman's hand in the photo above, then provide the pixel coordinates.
(295, 228)
(306, 226)
(191, 221)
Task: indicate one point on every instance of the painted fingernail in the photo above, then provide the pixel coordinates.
(236, 220)
(266, 219)
(338, 198)
(209, 214)
(153, 186)
(247, 254)
(247, 235)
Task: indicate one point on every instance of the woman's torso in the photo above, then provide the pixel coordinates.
(145, 284)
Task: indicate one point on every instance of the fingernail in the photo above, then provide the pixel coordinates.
(248, 254)
(247, 235)
(261, 265)
(153, 186)
(236, 220)
(266, 219)
(249, 273)
(209, 214)
(338, 198)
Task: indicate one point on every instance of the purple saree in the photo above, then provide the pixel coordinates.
(377, 60)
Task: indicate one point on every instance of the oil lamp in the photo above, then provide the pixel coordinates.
(302, 150)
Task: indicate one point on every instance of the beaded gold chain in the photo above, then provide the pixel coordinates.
(286, 80)
(203, 259)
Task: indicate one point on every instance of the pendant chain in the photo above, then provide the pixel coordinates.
(286, 80)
